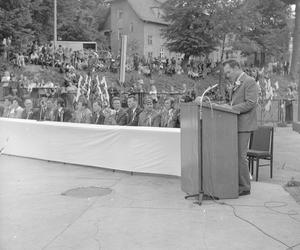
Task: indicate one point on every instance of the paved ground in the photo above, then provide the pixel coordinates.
(142, 211)
(286, 160)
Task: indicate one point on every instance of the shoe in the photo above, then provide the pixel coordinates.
(242, 193)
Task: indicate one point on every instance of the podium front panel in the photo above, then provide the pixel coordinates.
(220, 151)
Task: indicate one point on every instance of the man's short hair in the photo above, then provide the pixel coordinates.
(232, 63)
(132, 97)
(148, 100)
(116, 99)
(28, 99)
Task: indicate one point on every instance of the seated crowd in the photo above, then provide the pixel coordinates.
(98, 112)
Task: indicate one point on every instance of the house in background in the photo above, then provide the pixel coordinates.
(141, 21)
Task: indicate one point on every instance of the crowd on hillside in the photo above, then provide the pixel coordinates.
(101, 60)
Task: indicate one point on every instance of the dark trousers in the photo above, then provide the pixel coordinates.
(244, 177)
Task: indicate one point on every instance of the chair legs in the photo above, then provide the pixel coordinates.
(251, 165)
(271, 167)
(257, 167)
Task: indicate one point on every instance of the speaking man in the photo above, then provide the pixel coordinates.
(244, 98)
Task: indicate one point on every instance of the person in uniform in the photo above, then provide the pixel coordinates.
(149, 117)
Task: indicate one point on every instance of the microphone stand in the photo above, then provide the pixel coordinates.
(200, 154)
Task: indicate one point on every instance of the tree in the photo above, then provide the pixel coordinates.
(295, 64)
(264, 24)
(189, 30)
(224, 21)
(15, 21)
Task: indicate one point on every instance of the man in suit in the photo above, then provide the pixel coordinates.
(97, 116)
(29, 113)
(133, 111)
(61, 114)
(121, 114)
(244, 99)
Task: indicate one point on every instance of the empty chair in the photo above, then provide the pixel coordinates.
(261, 148)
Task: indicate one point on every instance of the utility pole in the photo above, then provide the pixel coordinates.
(123, 59)
(55, 30)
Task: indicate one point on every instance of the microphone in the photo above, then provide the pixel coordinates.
(207, 90)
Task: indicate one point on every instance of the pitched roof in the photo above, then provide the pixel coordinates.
(147, 10)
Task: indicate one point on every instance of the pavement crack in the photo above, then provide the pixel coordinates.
(69, 225)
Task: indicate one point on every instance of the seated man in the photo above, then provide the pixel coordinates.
(29, 113)
(61, 114)
(97, 116)
(149, 117)
(121, 114)
(133, 111)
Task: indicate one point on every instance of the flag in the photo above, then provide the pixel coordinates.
(103, 81)
(99, 89)
(89, 88)
(268, 105)
(269, 90)
(78, 88)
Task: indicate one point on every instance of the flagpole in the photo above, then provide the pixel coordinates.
(55, 31)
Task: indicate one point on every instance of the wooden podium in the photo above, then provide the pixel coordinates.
(219, 150)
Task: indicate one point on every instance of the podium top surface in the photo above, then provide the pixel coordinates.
(221, 107)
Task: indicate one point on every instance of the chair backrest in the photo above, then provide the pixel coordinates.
(262, 139)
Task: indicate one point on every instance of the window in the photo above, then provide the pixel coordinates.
(149, 40)
(120, 33)
(156, 12)
(131, 27)
(161, 53)
(150, 54)
(120, 14)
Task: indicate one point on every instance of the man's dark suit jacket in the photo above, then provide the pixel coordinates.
(133, 118)
(121, 117)
(244, 99)
(98, 118)
(64, 116)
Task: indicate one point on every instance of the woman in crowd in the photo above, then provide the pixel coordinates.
(83, 114)
(109, 114)
(7, 106)
(16, 110)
